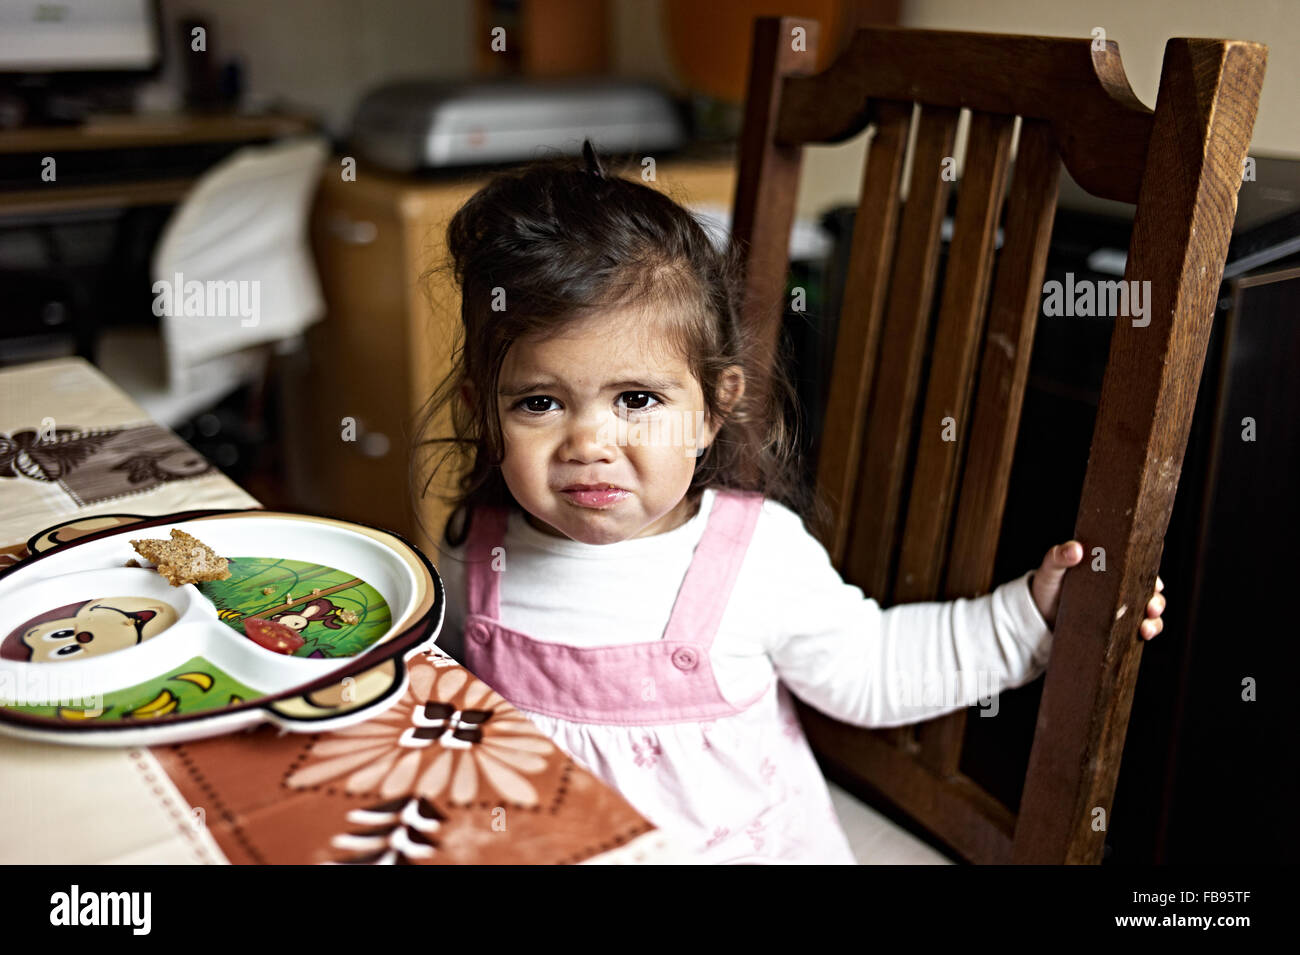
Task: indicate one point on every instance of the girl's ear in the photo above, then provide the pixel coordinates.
(731, 386)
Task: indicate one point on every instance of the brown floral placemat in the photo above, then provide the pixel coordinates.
(452, 774)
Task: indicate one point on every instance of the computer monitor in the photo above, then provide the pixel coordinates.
(42, 37)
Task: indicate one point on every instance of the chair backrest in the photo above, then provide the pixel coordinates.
(920, 531)
(241, 233)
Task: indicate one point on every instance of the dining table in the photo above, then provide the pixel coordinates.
(77, 455)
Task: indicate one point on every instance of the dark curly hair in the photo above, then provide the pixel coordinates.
(564, 237)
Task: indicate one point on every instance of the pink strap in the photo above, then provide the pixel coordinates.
(709, 580)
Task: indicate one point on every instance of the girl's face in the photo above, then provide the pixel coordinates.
(604, 404)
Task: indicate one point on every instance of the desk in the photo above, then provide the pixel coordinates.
(125, 171)
(259, 796)
(102, 136)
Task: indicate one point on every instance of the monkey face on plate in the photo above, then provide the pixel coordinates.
(96, 627)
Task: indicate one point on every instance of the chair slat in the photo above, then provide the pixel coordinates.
(878, 501)
(858, 336)
(952, 369)
(1008, 343)
(876, 505)
(944, 421)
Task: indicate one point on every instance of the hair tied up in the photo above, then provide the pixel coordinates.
(594, 166)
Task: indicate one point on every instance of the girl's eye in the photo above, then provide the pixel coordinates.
(633, 401)
(531, 404)
(640, 400)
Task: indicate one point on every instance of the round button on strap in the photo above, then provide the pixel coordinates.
(685, 658)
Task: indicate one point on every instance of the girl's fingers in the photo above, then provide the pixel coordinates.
(1156, 606)
(1160, 584)
(1063, 554)
(1151, 627)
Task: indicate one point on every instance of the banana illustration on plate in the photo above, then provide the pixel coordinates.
(200, 679)
(161, 705)
(72, 713)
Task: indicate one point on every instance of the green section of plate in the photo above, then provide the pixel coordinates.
(194, 686)
(282, 590)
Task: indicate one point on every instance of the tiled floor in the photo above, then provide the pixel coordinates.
(877, 840)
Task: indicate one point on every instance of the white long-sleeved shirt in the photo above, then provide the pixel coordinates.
(790, 612)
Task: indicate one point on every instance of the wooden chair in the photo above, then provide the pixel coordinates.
(1181, 165)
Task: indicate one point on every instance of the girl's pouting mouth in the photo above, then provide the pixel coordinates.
(598, 496)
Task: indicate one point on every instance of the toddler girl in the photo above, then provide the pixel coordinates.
(612, 572)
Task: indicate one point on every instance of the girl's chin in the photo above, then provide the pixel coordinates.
(584, 525)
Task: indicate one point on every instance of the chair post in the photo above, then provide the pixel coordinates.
(1205, 110)
(767, 182)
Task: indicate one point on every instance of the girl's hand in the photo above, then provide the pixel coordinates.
(1046, 588)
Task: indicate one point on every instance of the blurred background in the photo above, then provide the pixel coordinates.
(305, 156)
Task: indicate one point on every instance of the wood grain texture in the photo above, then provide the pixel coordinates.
(1209, 91)
(952, 365)
(767, 182)
(1101, 127)
(880, 497)
(1004, 372)
(878, 501)
(861, 319)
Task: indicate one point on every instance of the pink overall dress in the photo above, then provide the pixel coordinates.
(732, 783)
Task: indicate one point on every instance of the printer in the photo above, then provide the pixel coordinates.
(412, 125)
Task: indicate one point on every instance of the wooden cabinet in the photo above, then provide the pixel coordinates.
(352, 407)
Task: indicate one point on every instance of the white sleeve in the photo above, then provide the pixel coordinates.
(451, 568)
(838, 651)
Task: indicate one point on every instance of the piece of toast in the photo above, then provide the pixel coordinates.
(183, 559)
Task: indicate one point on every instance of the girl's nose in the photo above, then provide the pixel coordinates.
(588, 441)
